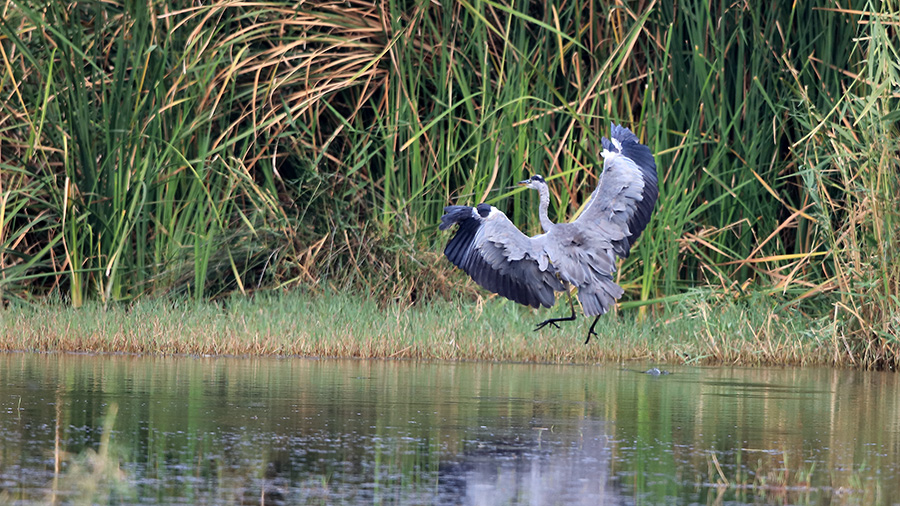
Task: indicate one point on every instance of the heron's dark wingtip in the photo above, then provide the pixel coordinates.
(637, 152)
(454, 214)
(622, 133)
(642, 157)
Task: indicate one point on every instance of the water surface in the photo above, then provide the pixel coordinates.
(114, 429)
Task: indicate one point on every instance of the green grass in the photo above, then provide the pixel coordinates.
(334, 325)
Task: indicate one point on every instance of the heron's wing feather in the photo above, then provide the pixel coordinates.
(497, 256)
(586, 260)
(620, 207)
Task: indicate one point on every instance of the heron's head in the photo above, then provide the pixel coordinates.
(535, 182)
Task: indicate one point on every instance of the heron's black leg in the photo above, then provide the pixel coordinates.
(552, 321)
(591, 331)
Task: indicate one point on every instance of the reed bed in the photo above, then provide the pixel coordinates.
(171, 149)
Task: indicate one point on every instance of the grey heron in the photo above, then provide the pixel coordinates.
(581, 253)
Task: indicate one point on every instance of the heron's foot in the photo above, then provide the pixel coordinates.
(551, 321)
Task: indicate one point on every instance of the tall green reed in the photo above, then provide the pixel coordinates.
(146, 198)
(530, 88)
(851, 163)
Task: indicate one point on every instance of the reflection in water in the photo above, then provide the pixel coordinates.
(537, 472)
(294, 431)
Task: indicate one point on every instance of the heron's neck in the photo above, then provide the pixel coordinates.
(546, 224)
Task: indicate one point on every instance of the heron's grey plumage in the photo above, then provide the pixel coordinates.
(582, 253)
(626, 193)
(500, 258)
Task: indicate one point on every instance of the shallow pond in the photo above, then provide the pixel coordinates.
(112, 429)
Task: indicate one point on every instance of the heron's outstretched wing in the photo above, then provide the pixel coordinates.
(620, 207)
(500, 258)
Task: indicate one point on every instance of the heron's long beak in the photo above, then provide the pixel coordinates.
(523, 183)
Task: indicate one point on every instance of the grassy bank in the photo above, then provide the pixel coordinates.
(693, 331)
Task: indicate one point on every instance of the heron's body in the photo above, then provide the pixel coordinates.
(581, 253)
